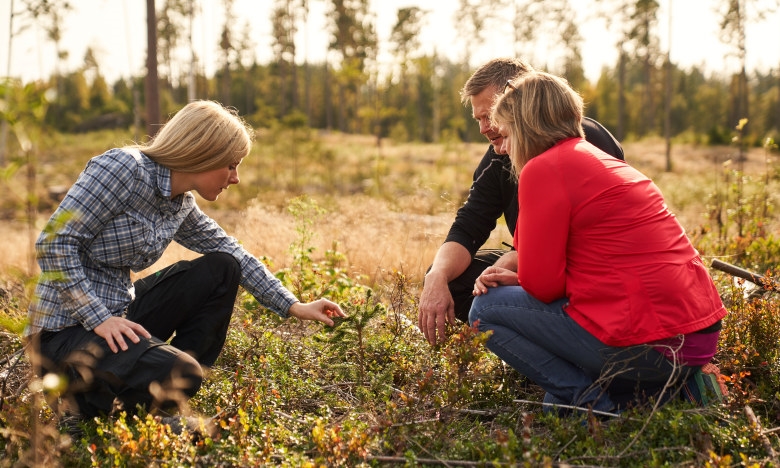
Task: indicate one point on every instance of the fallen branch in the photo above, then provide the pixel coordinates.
(428, 461)
(759, 280)
(571, 407)
(757, 426)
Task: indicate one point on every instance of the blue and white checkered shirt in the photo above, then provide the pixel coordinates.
(117, 217)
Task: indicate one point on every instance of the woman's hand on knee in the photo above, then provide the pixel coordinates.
(493, 277)
(115, 329)
(321, 310)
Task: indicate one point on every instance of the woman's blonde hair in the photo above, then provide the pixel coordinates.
(538, 110)
(202, 136)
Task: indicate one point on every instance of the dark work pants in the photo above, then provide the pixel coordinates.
(193, 300)
(462, 287)
(189, 300)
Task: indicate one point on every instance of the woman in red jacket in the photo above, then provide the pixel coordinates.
(609, 296)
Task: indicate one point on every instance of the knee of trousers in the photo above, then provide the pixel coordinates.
(476, 309)
(484, 308)
(225, 270)
(223, 262)
(190, 372)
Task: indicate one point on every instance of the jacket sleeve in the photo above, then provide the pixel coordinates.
(485, 203)
(542, 231)
(202, 234)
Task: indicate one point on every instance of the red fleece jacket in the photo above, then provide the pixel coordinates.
(597, 231)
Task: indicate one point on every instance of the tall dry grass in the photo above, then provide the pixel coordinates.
(375, 239)
(386, 208)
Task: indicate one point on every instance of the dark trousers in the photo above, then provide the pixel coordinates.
(191, 301)
(462, 287)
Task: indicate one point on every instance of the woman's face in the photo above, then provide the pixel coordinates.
(503, 130)
(210, 184)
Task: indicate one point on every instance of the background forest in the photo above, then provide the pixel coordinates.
(415, 97)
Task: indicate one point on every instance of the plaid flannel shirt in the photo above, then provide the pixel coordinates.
(119, 217)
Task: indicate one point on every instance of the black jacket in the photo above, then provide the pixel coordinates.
(494, 192)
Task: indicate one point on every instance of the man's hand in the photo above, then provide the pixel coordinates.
(321, 310)
(437, 308)
(492, 277)
(115, 329)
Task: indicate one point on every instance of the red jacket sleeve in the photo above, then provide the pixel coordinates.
(542, 230)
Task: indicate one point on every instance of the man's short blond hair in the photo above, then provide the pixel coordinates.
(495, 74)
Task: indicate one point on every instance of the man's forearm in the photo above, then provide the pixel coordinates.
(451, 261)
(508, 260)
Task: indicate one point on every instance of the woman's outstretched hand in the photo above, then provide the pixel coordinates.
(321, 310)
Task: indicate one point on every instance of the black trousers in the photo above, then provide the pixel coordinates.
(190, 302)
(462, 287)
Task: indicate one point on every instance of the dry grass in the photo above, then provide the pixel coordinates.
(696, 171)
(375, 239)
(400, 215)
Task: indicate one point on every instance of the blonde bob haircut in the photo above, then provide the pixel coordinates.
(202, 136)
(537, 110)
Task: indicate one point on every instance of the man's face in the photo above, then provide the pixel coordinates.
(480, 108)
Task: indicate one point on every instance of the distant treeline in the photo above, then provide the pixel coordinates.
(643, 94)
(425, 106)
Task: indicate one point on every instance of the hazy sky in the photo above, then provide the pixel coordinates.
(116, 30)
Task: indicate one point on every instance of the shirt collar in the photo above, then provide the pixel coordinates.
(163, 176)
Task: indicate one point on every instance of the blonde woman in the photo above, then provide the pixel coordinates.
(610, 301)
(110, 336)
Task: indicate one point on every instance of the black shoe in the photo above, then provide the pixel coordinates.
(71, 424)
(199, 427)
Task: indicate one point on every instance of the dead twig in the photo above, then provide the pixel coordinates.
(434, 461)
(771, 431)
(9, 372)
(16, 355)
(427, 461)
(754, 421)
(558, 454)
(670, 382)
(570, 407)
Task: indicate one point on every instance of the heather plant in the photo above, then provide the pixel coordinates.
(750, 339)
(140, 440)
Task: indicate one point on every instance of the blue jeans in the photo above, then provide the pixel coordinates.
(543, 343)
